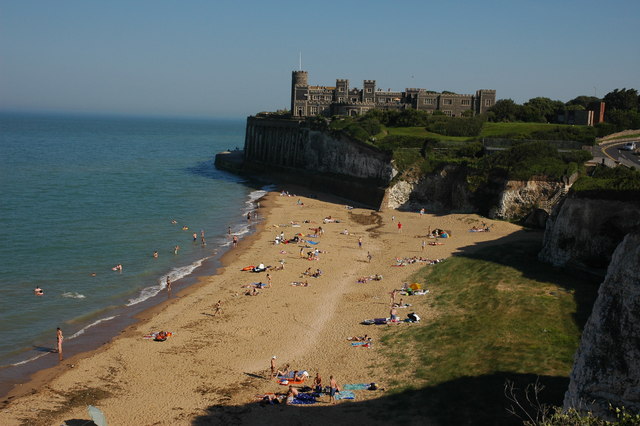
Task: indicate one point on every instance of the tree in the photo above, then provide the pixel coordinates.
(546, 108)
(587, 102)
(505, 110)
(624, 99)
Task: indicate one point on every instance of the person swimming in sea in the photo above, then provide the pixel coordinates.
(38, 291)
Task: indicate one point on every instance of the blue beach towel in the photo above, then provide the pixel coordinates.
(344, 394)
(312, 242)
(304, 399)
(356, 386)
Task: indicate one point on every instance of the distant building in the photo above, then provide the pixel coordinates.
(309, 100)
(590, 117)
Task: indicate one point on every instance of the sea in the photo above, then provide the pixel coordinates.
(82, 194)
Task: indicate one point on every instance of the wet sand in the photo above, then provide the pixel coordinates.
(223, 360)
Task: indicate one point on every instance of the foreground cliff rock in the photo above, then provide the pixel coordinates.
(585, 232)
(607, 366)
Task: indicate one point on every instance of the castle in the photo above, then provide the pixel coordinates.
(309, 100)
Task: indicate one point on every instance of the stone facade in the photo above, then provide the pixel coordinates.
(309, 100)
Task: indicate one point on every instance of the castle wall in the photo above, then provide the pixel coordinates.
(309, 101)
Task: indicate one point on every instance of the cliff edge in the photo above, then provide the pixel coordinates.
(585, 232)
(607, 363)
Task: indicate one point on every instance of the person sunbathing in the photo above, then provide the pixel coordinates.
(293, 392)
(283, 372)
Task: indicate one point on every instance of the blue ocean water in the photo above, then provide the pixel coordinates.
(82, 194)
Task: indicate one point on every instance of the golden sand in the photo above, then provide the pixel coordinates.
(223, 360)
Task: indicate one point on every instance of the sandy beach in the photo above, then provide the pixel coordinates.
(222, 360)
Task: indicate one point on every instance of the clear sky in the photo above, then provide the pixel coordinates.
(219, 58)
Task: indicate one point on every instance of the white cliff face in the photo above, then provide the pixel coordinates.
(399, 194)
(325, 154)
(519, 198)
(585, 232)
(607, 363)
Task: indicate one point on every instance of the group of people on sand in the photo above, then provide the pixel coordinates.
(299, 377)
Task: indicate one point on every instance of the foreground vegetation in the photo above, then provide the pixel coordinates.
(500, 317)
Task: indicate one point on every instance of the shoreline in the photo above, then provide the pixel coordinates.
(44, 369)
(227, 356)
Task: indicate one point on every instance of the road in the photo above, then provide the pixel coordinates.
(613, 151)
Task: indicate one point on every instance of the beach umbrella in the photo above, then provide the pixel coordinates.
(97, 416)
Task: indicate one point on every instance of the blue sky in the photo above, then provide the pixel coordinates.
(234, 58)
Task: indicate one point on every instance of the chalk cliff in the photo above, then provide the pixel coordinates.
(607, 363)
(585, 232)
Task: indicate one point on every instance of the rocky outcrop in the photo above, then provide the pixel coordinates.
(585, 232)
(443, 191)
(607, 363)
(520, 198)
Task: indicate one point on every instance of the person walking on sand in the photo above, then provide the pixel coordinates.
(168, 286)
(273, 366)
(424, 244)
(218, 308)
(369, 256)
(359, 242)
(399, 227)
(59, 338)
(333, 388)
(393, 296)
(269, 280)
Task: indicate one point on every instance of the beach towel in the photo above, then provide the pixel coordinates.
(365, 344)
(356, 386)
(289, 375)
(344, 394)
(312, 242)
(303, 399)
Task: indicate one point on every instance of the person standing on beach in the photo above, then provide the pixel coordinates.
(235, 241)
(359, 242)
(269, 280)
(218, 308)
(369, 256)
(399, 227)
(59, 338)
(249, 217)
(424, 244)
(273, 366)
(333, 388)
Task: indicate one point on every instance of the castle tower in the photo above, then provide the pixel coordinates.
(342, 91)
(299, 93)
(484, 100)
(369, 91)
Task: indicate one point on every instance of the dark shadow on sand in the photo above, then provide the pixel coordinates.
(466, 401)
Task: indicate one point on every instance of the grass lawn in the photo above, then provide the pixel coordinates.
(499, 315)
(489, 130)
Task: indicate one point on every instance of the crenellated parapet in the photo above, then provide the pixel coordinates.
(309, 101)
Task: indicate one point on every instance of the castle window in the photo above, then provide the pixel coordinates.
(447, 113)
(487, 102)
(447, 102)
(340, 89)
(369, 90)
(327, 98)
(314, 110)
(429, 101)
(340, 99)
(465, 102)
